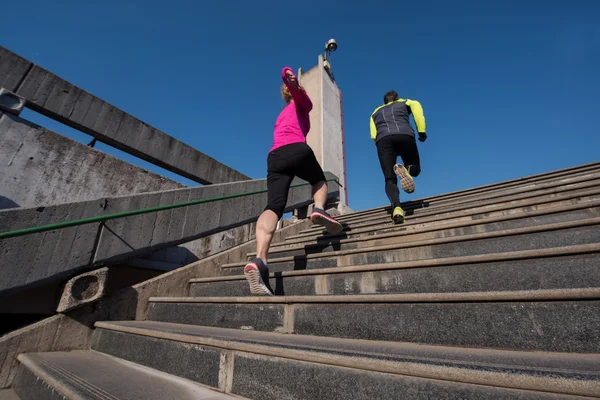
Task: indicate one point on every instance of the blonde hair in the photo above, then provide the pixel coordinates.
(285, 93)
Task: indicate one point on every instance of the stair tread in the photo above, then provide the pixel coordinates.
(94, 375)
(404, 231)
(8, 394)
(482, 258)
(427, 242)
(441, 218)
(521, 369)
(559, 294)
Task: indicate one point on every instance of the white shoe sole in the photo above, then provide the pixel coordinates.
(257, 287)
(406, 181)
(332, 226)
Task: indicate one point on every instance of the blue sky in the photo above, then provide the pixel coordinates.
(509, 88)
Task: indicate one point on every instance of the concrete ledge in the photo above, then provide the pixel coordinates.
(57, 255)
(56, 98)
(42, 168)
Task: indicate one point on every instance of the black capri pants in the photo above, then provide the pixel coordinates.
(285, 163)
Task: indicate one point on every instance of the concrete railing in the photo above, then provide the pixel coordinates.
(56, 255)
(50, 95)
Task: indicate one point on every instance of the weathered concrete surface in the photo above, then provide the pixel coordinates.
(83, 289)
(56, 98)
(73, 329)
(34, 259)
(326, 137)
(42, 168)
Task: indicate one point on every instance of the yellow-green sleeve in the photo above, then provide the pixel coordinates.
(373, 129)
(417, 112)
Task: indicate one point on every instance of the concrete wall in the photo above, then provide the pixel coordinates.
(325, 137)
(56, 98)
(73, 330)
(36, 259)
(40, 167)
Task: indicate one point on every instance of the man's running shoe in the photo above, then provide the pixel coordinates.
(406, 181)
(398, 215)
(256, 272)
(320, 217)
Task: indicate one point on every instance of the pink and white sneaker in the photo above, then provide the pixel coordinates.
(320, 217)
(256, 272)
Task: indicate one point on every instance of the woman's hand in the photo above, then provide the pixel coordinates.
(291, 78)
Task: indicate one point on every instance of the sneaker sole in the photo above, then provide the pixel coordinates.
(406, 181)
(398, 219)
(331, 225)
(257, 288)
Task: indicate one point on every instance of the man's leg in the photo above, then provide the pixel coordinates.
(406, 147)
(409, 152)
(387, 159)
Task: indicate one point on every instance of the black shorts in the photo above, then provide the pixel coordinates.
(285, 163)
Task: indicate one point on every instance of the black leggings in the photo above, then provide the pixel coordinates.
(388, 150)
(285, 163)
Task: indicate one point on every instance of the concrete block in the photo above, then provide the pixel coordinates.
(81, 108)
(57, 97)
(177, 217)
(92, 114)
(115, 118)
(13, 69)
(33, 81)
(83, 289)
(68, 104)
(10, 102)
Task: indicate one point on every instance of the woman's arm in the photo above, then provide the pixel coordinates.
(299, 95)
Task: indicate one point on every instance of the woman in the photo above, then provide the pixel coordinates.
(289, 157)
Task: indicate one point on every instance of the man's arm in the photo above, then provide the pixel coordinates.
(373, 129)
(417, 112)
(300, 97)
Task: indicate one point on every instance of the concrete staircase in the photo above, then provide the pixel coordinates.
(487, 293)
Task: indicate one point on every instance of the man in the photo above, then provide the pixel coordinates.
(394, 136)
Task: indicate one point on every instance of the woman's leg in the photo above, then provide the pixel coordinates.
(265, 228)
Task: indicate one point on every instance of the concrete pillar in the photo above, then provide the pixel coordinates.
(326, 136)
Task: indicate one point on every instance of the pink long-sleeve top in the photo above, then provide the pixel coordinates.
(293, 122)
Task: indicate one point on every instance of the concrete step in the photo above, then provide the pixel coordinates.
(474, 213)
(530, 238)
(539, 178)
(417, 207)
(91, 375)
(8, 394)
(558, 320)
(574, 212)
(537, 197)
(527, 181)
(555, 268)
(262, 365)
